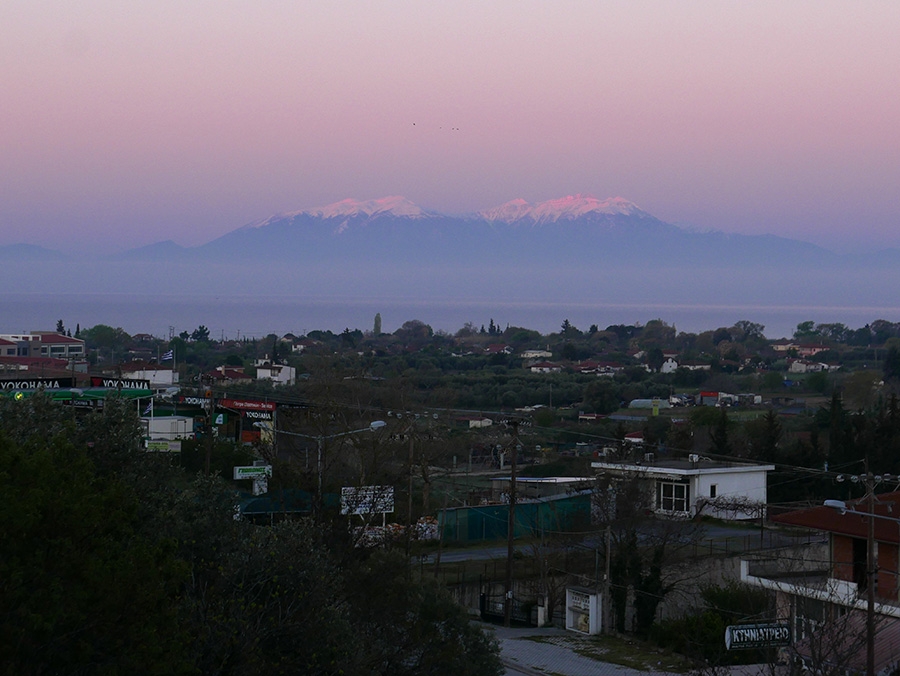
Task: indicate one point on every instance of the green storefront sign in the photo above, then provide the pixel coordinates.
(255, 472)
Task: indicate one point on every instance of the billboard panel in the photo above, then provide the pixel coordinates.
(367, 500)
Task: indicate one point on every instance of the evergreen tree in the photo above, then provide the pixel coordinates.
(377, 328)
(840, 434)
(765, 434)
(83, 589)
(115, 563)
(721, 444)
(892, 365)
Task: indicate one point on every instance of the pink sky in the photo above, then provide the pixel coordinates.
(126, 123)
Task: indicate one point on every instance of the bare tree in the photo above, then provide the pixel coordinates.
(827, 617)
(644, 544)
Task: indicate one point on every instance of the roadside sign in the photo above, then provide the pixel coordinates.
(253, 472)
(163, 446)
(742, 636)
(367, 500)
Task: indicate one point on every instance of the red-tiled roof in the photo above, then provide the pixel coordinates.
(59, 338)
(853, 525)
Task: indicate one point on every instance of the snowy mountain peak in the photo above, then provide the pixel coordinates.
(563, 208)
(394, 206)
(348, 208)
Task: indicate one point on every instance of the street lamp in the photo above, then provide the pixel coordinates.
(320, 440)
(871, 565)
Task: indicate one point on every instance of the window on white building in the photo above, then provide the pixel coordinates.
(713, 489)
(672, 497)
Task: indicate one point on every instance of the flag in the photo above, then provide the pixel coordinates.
(149, 408)
(168, 355)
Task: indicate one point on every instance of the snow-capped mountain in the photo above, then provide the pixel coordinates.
(606, 249)
(385, 206)
(576, 230)
(352, 208)
(567, 208)
(396, 206)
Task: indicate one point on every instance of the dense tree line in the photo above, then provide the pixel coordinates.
(115, 562)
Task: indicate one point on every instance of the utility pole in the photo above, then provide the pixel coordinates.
(320, 448)
(872, 567)
(607, 606)
(210, 406)
(511, 526)
(409, 504)
(871, 561)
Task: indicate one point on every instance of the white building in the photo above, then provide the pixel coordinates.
(669, 366)
(807, 366)
(688, 487)
(277, 373)
(168, 427)
(157, 376)
(44, 344)
(545, 367)
(536, 354)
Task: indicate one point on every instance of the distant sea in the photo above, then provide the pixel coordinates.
(229, 316)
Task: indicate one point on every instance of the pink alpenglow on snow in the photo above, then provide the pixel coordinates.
(348, 208)
(394, 205)
(563, 208)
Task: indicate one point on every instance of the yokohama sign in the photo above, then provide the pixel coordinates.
(257, 415)
(37, 383)
(120, 383)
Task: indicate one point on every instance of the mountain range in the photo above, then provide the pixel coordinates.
(575, 230)
(574, 248)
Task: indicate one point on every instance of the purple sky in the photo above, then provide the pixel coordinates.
(126, 123)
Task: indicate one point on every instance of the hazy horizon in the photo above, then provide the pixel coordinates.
(231, 316)
(129, 124)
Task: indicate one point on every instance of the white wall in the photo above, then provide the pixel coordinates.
(746, 486)
(169, 427)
